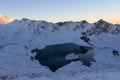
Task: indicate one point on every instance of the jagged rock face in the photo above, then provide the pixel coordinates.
(103, 27)
(53, 56)
(101, 24)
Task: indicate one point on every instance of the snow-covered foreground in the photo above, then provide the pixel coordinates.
(107, 74)
(17, 39)
(20, 67)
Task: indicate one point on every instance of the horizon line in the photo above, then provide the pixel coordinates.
(89, 20)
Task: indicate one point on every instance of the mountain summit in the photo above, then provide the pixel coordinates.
(5, 20)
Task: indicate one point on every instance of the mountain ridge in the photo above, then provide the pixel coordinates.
(5, 20)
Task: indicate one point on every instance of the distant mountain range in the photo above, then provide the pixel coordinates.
(41, 26)
(5, 19)
(100, 26)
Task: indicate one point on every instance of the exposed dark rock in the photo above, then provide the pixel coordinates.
(115, 53)
(86, 39)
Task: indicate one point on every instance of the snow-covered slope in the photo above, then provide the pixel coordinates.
(18, 38)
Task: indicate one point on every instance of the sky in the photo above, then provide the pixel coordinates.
(62, 10)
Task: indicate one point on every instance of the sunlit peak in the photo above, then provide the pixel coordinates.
(5, 20)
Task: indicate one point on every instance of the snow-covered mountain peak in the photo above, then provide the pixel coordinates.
(5, 20)
(83, 22)
(101, 22)
(3, 16)
(24, 19)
